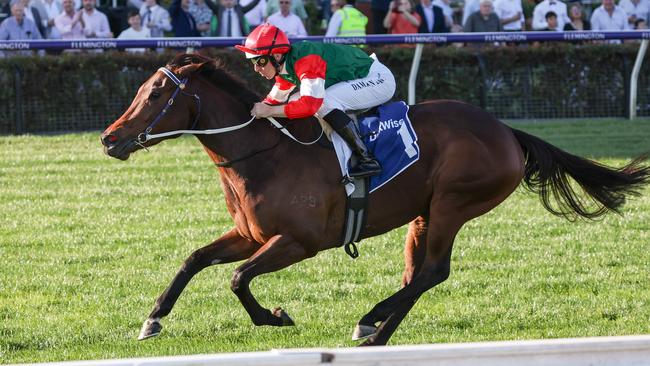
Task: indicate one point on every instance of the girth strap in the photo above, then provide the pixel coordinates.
(355, 215)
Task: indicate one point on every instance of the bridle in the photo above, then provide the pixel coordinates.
(180, 88)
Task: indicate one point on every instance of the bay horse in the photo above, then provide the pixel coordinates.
(469, 163)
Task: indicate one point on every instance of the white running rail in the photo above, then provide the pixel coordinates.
(596, 351)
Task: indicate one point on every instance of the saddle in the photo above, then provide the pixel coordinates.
(389, 135)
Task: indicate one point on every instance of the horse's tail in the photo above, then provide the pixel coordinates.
(548, 170)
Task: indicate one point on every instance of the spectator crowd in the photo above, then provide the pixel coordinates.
(79, 19)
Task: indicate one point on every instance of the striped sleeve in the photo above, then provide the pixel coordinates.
(311, 72)
(280, 91)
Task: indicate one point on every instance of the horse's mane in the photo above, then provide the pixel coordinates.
(214, 71)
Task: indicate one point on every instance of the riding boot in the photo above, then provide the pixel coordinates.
(366, 164)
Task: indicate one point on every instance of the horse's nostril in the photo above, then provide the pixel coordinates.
(109, 139)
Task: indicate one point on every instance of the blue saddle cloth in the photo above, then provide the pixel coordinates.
(392, 139)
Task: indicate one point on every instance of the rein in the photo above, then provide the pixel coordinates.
(180, 86)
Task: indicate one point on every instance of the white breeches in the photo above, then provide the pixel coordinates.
(376, 88)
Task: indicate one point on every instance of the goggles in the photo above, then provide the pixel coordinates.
(260, 61)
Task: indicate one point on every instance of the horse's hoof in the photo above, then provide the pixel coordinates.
(363, 331)
(286, 319)
(150, 328)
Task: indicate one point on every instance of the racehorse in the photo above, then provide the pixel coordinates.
(287, 200)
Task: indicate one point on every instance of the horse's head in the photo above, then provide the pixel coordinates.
(167, 101)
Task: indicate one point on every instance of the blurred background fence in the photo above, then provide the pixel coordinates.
(87, 91)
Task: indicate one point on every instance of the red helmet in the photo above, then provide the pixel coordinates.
(266, 39)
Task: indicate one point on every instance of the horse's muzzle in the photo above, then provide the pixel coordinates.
(115, 148)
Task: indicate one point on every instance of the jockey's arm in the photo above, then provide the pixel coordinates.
(273, 104)
(311, 72)
(280, 92)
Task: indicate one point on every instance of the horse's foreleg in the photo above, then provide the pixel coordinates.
(279, 252)
(435, 269)
(230, 247)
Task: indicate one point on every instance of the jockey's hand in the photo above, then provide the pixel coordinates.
(262, 110)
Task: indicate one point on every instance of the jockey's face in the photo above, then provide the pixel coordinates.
(266, 69)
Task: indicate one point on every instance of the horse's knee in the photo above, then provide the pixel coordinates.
(237, 281)
(195, 262)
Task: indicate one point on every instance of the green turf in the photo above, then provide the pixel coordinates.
(87, 243)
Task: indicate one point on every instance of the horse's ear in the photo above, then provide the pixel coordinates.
(187, 70)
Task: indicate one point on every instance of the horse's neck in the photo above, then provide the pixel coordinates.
(222, 110)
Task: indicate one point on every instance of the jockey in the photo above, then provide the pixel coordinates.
(332, 79)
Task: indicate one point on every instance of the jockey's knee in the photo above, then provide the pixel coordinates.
(337, 119)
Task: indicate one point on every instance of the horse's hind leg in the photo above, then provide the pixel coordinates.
(388, 326)
(435, 268)
(231, 247)
(414, 253)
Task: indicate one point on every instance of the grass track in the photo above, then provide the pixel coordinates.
(87, 243)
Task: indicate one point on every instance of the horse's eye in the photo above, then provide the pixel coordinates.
(154, 94)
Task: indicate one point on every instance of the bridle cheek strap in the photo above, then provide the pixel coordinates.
(180, 86)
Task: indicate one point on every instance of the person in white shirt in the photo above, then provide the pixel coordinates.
(297, 7)
(556, 6)
(289, 23)
(155, 18)
(96, 22)
(70, 24)
(511, 14)
(470, 7)
(135, 31)
(608, 16)
(255, 16)
(52, 10)
(35, 12)
(635, 9)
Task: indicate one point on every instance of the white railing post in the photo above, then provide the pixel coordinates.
(634, 78)
(413, 76)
